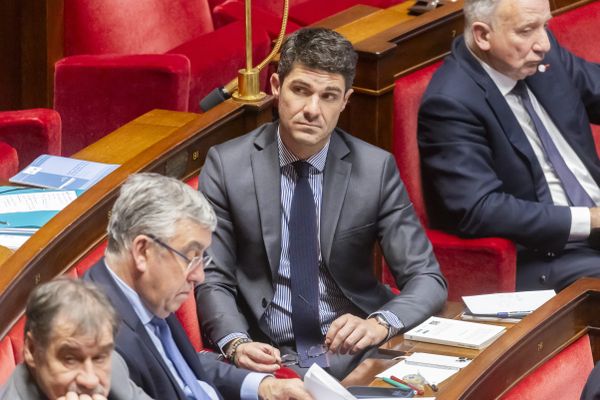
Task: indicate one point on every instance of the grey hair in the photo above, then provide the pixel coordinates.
(478, 11)
(151, 203)
(318, 48)
(82, 303)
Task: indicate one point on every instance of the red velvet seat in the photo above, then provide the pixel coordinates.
(141, 55)
(24, 135)
(562, 377)
(471, 266)
(7, 360)
(577, 31)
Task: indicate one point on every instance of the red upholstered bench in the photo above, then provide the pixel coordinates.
(562, 377)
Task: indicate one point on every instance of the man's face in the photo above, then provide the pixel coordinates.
(517, 40)
(70, 362)
(310, 102)
(166, 284)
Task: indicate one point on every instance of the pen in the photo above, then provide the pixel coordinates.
(396, 384)
(513, 314)
(413, 387)
(433, 386)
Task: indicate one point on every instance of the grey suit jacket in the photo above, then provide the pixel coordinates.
(364, 202)
(21, 385)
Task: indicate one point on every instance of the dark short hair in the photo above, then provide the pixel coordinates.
(81, 303)
(318, 48)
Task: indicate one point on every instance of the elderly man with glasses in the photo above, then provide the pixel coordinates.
(158, 233)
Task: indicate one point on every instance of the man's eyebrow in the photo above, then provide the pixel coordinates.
(334, 89)
(193, 245)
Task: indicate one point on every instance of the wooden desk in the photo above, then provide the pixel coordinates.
(518, 352)
(167, 142)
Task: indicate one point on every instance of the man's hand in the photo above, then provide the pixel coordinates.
(259, 357)
(351, 334)
(595, 217)
(282, 389)
(75, 396)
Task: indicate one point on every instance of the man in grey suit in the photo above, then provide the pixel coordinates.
(69, 342)
(284, 267)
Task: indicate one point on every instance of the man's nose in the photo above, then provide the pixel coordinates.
(542, 44)
(196, 276)
(312, 107)
(87, 377)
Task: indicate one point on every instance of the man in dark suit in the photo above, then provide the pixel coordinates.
(158, 232)
(506, 145)
(291, 273)
(68, 348)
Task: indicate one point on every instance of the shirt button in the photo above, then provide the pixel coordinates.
(264, 302)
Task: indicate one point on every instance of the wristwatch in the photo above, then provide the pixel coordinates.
(392, 331)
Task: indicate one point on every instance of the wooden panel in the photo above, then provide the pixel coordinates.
(10, 83)
(166, 142)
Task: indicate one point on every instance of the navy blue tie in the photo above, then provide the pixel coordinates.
(575, 192)
(185, 372)
(304, 270)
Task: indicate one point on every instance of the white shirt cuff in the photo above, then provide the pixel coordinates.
(581, 223)
(249, 389)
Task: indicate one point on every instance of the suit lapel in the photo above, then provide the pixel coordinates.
(506, 118)
(335, 184)
(267, 185)
(100, 275)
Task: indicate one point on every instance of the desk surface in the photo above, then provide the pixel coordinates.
(364, 374)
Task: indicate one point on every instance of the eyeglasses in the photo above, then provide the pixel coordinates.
(192, 264)
(313, 352)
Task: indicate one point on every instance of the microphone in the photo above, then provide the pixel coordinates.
(215, 97)
(543, 67)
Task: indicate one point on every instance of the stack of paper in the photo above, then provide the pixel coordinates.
(505, 306)
(455, 333)
(24, 210)
(434, 368)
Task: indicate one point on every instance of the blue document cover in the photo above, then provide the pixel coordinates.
(63, 173)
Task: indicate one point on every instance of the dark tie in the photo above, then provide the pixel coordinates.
(304, 270)
(185, 372)
(575, 192)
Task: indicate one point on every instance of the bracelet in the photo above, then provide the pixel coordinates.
(232, 350)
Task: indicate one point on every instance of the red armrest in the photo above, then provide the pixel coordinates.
(96, 94)
(9, 161)
(475, 266)
(31, 133)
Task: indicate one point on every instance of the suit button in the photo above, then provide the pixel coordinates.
(264, 303)
(550, 254)
(543, 278)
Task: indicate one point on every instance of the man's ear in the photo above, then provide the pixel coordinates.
(29, 350)
(139, 251)
(481, 35)
(275, 85)
(346, 97)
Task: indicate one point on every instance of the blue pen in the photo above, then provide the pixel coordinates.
(513, 314)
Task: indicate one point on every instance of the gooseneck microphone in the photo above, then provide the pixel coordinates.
(214, 98)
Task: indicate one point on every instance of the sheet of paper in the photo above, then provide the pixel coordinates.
(323, 386)
(39, 201)
(13, 242)
(507, 302)
(431, 374)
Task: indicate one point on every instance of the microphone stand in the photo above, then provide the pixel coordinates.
(245, 87)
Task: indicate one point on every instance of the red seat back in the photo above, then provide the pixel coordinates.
(407, 99)
(7, 360)
(132, 26)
